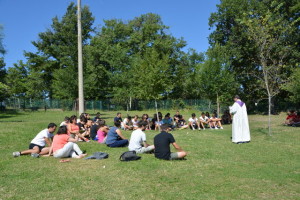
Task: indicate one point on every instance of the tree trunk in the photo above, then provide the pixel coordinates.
(218, 106)
(269, 113)
(157, 115)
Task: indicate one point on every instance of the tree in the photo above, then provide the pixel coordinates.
(187, 75)
(4, 89)
(122, 51)
(293, 86)
(56, 58)
(229, 32)
(17, 79)
(270, 35)
(217, 82)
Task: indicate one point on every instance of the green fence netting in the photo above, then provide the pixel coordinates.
(35, 104)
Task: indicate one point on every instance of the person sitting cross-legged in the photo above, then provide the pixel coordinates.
(138, 140)
(162, 143)
(127, 123)
(73, 129)
(115, 137)
(181, 123)
(37, 145)
(64, 146)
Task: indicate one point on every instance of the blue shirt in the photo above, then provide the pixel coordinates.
(117, 119)
(112, 135)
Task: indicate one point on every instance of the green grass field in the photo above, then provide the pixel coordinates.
(266, 168)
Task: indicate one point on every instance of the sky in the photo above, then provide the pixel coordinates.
(23, 20)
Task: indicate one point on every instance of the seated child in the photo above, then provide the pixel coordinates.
(204, 121)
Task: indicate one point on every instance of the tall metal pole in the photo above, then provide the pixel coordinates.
(80, 70)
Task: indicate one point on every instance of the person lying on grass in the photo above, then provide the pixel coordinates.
(37, 145)
(64, 146)
(162, 143)
(138, 140)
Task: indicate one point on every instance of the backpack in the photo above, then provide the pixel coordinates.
(98, 156)
(129, 156)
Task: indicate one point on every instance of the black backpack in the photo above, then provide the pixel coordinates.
(129, 156)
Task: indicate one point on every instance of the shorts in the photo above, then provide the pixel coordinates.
(174, 156)
(194, 125)
(33, 145)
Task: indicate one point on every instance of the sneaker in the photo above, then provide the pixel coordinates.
(221, 127)
(35, 155)
(203, 128)
(199, 129)
(16, 154)
(87, 140)
(216, 127)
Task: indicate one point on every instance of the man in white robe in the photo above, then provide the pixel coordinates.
(240, 124)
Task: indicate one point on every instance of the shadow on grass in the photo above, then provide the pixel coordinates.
(10, 113)
(263, 131)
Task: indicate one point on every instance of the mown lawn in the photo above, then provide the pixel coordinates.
(266, 168)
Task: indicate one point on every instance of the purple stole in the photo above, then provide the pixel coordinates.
(240, 103)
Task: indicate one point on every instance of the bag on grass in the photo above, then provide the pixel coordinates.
(98, 156)
(129, 156)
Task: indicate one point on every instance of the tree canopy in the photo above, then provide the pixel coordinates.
(252, 43)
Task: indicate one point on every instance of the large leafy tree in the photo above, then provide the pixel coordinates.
(293, 86)
(4, 89)
(55, 62)
(186, 76)
(270, 34)
(128, 54)
(16, 79)
(229, 32)
(217, 82)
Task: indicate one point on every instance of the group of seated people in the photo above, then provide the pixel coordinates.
(71, 130)
(292, 119)
(177, 122)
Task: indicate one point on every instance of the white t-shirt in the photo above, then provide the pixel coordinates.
(203, 119)
(63, 124)
(193, 120)
(135, 123)
(136, 140)
(125, 121)
(39, 138)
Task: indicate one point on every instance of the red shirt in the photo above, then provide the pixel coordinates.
(74, 127)
(59, 141)
(291, 116)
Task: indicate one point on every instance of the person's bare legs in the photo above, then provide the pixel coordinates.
(30, 151)
(191, 125)
(220, 124)
(182, 154)
(45, 151)
(202, 125)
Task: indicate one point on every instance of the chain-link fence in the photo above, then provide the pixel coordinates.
(110, 105)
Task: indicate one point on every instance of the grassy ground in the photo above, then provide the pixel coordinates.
(266, 168)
